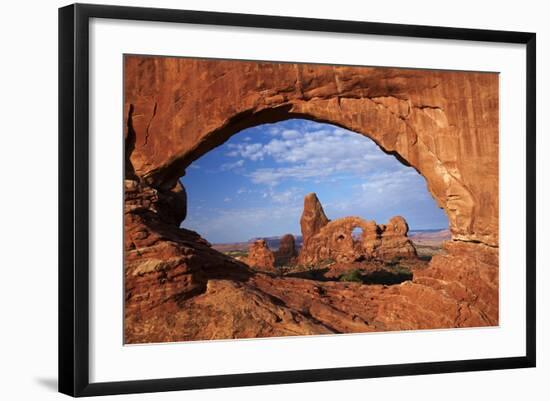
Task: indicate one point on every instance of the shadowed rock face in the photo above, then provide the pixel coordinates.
(260, 256)
(286, 254)
(444, 124)
(325, 239)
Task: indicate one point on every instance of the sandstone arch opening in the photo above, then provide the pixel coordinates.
(178, 287)
(246, 197)
(356, 233)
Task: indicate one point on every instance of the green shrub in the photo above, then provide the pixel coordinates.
(401, 270)
(353, 276)
(235, 254)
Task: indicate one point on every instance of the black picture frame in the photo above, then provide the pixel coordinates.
(74, 198)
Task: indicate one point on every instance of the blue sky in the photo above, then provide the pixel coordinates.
(254, 184)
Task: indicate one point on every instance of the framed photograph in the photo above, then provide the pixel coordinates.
(251, 199)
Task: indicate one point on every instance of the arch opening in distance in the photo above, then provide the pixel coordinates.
(356, 233)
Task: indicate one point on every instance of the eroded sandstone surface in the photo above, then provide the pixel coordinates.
(444, 124)
(325, 239)
(260, 256)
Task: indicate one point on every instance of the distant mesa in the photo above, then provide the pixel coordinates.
(430, 236)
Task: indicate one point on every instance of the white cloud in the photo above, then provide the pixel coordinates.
(232, 166)
(313, 153)
(390, 181)
(290, 196)
(356, 177)
(253, 151)
(381, 192)
(290, 134)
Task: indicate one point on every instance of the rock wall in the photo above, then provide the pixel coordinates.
(443, 123)
(164, 264)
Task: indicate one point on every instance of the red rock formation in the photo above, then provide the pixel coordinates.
(286, 254)
(164, 265)
(260, 256)
(313, 217)
(469, 274)
(226, 309)
(231, 308)
(444, 124)
(444, 295)
(334, 240)
(393, 240)
(178, 288)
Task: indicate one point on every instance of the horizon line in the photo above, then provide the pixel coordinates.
(300, 235)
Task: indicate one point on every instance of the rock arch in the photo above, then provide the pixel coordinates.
(333, 239)
(442, 123)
